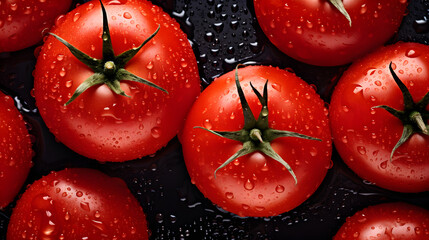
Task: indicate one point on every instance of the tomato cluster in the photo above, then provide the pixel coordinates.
(116, 80)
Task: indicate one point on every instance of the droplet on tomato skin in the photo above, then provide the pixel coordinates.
(411, 53)
(67, 216)
(127, 15)
(260, 208)
(76, 17)
(280, 188)
(248, 185)
(207, 124)
(313, 152)
(363, 9)
(361, 150)
(85, 206)
(155, 132)
(229, 195)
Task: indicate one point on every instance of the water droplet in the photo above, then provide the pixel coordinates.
(248, 185)
(361, 150)
(156, 132)
(76, 17)
(63, 72)
(79, 194)
(60, 57)
(67, 216)
(207, 124)
(411, 53)
(149, 65)
(229, 195)
(280, 188)
(383, 165)
(259, 208)
(313, 152)
(127, 15)
(363, 9)
(276, 87)
(97, 214)
(13, 6)
(85, 206)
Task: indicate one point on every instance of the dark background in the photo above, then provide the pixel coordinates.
(223, 33)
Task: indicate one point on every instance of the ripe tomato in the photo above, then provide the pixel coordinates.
(15, 150)
(77, 204)
(365, 136)
(257, 184)
(100, 123)
(23, 23)
(398, 221)
(315, 32)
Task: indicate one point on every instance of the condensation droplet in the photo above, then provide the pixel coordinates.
(248, 185)
(280, 188)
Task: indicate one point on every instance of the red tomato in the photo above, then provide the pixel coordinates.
(315, 32)
(23, 23)
(15, 151)
(366, 136)
(77, 204)
(255, 184)
(399, 221)
(101, 124)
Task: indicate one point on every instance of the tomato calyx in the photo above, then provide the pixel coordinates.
(414, 116)
(109, 70)
(338, 4)
(256, 135)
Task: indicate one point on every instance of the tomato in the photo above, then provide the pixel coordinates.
(257, 183)
(316, 32)
(77, 204)
(23, 23)
(15, 150)
(396, 220)
(367, 136)
(118, 119)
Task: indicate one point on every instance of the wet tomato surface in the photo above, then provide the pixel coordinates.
(257, 184)
(366, 135)
(77, 203)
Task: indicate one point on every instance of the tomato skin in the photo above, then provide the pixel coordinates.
(365, 137)
(77, 203)
(315, 32)
(397, 220)
(15, 150)
(256, 185)
(100, 124)
(23, 23)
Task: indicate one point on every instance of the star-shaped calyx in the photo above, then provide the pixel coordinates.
(109, 70)
(414, 116)
(256, 135)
